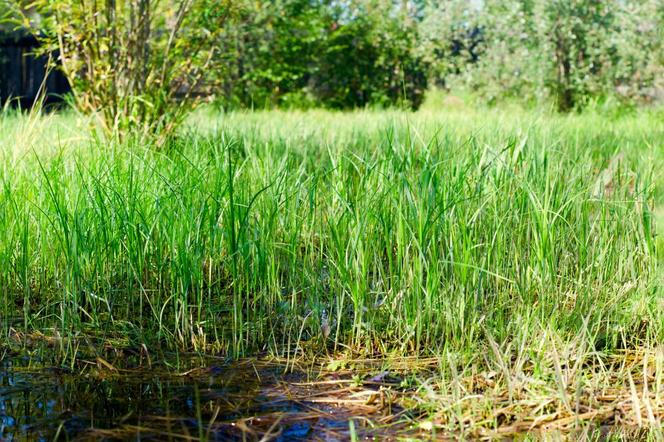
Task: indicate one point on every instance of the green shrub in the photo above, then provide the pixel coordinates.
(267, 53)
(369, 59)
(301, 53)
(136, 64)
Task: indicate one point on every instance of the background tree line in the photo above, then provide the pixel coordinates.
(137, 62)
(386, 52)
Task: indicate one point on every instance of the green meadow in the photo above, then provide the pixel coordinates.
(514, 256)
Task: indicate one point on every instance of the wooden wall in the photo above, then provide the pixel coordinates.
(22, 73)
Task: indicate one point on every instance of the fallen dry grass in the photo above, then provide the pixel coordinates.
(564, 392)
(618, 396)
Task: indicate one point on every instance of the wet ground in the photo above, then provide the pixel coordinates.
(250, 400)
(127, 395)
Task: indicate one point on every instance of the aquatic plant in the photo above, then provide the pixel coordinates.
(415, 233)
(513, 258)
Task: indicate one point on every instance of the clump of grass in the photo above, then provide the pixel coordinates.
(409, 233)
(505, 269)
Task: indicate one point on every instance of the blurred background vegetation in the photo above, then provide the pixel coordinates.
(130, 59)
(341, 54)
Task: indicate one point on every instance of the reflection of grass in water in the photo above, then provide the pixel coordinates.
(259, 397)
(517, 245)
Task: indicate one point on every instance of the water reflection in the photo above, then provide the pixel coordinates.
(93, 402)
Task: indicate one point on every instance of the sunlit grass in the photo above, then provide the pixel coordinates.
(519, 250)
(416, 233)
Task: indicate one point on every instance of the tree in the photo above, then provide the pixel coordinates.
(269, 52)
(568, 51)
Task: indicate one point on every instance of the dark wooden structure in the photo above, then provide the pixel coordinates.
(22, 73)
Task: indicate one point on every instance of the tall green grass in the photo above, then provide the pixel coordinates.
(409, 233)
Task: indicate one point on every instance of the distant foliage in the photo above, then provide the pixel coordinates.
(312, 52)
(268, 52)
(450, 39)
(141, 63)
(569, 51)
(370, 58)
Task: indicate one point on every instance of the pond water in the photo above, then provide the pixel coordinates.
(97, 400)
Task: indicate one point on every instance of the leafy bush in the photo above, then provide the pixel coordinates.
(136, 64)
(305, 52)
(370, 58)
(450, 39)
(267, 53)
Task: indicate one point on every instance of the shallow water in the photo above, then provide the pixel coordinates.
(239, 401)
(128, 397)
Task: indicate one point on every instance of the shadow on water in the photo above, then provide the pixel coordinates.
(126, 399)
(99, 401)
(126, 396)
